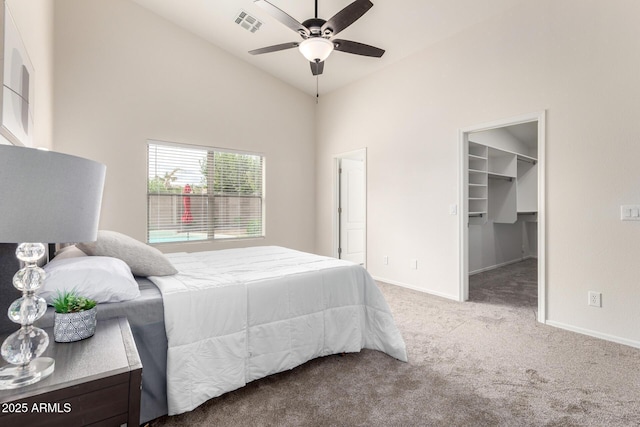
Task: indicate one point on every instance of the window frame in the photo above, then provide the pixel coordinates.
(211, 197)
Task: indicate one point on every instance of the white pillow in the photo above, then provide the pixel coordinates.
(103, 279)
(143, 259)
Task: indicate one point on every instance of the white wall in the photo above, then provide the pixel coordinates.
(124, 75)
(34, 20)
(574, 59)
(493, 244)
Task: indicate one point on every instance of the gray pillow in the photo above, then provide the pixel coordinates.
(143, 259)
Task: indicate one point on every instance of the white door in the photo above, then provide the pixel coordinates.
(352, 211)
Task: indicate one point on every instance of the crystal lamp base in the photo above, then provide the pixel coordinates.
(15, 376)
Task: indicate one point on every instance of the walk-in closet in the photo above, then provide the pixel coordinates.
(502, 197)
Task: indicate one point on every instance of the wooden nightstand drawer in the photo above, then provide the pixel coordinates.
(96, 382)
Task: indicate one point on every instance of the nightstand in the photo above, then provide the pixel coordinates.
(96, 381)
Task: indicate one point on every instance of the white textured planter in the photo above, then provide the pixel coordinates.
(69, 327)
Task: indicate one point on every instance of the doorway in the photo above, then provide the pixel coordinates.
(503, 194)
(350, 207)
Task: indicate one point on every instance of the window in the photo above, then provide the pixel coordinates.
(200, 193)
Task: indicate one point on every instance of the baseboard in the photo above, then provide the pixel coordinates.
(415, 288)
(493, 267)
(576, 329)
(589, 332)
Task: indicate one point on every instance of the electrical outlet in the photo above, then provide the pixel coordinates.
(595, 299)
(385, 260)
(414, 264)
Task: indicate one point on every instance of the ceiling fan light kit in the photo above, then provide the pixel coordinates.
(316, 49)
(317, 34)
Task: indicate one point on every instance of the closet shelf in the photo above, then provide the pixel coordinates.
(501, 185)
(478, 188)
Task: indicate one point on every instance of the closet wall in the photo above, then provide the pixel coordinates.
(502, 199)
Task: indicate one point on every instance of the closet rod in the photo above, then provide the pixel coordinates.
(508, 178)
(532, 161)
(476, 215)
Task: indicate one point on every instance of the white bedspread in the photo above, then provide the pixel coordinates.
(233, 316)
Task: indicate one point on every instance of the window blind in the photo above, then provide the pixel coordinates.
(198, 193)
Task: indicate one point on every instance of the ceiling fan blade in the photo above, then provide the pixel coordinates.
(274, 48)
(346, 16)
(283, 17)
(317, 68)
(357, 48)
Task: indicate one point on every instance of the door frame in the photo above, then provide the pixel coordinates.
(463, 137)
(360, 154)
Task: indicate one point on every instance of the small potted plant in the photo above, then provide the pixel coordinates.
(74, 317)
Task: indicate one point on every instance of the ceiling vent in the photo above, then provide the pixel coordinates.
(248, 22)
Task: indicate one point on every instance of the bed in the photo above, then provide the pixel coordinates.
(229, 317)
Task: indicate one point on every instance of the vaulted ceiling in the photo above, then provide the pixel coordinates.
(401, 27)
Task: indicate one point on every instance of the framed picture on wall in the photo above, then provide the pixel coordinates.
(16, 72)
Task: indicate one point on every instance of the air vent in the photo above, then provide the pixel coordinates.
(248, 22)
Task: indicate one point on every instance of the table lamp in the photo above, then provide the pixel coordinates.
(44, 197)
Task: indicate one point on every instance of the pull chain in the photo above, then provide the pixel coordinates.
(317, 64)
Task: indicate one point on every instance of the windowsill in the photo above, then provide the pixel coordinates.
(205, 242)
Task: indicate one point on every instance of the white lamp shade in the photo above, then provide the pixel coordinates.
(316, 48)
(48, 197)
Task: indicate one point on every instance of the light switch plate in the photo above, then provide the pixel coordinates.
(630, 212)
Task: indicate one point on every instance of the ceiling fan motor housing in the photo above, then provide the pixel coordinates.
(315, 27)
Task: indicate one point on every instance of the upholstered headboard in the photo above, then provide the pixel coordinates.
(9, 264)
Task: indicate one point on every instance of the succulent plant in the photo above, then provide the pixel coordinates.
(71, 302)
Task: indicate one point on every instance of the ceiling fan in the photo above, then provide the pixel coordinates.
(317, 34)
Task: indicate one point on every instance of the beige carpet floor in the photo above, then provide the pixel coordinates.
(486, 362)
